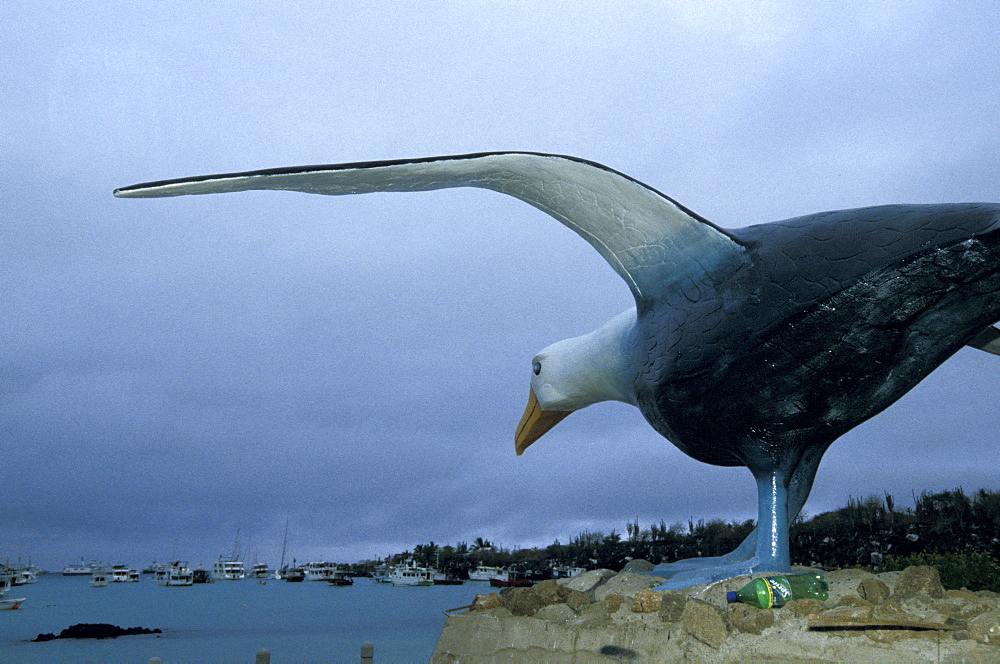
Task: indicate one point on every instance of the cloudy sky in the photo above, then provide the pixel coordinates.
(173, 371)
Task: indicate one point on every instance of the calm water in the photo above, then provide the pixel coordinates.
(229, 621)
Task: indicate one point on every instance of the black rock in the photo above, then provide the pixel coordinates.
(96, 631)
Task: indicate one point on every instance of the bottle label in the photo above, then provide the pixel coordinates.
(779, 591)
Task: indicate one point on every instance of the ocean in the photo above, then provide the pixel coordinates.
(229, 621)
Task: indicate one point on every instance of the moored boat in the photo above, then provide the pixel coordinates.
(79, 570)
(294, 574)
(11, 604)
(511, 579)
(200, 575)
(443, 579)
(319, 571)
(100, 577)
(410, 575)
(228, 568)
(124, 574)
(340, 578)
(177, 574)
(484, 573)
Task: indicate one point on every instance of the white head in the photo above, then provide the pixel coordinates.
(574, 373)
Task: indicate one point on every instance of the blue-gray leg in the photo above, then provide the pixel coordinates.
(748, 557)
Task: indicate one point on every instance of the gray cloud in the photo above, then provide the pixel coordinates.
(174, 370)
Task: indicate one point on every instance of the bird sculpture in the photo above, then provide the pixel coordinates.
(755, 346)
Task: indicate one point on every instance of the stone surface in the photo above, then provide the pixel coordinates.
(750, 620)
(919, 579)
(522, 601)
(874, 590)
(647, 601)
(626, 584)
(562, 624)
(638, 566)
(587, 581)
(705, 622)
(985, 628)
(671, 606)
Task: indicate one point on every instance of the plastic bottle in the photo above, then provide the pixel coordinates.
(774, 591)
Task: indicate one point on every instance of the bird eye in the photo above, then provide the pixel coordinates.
(537, 367)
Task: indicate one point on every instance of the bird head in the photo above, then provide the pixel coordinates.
(574, 373)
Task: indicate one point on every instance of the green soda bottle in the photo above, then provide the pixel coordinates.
(775, 591)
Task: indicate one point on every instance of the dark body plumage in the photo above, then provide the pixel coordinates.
(830, 318)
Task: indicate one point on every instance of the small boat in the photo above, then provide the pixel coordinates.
(294, 574)
(22, 575)
(228, 568)
(381, 574)
(11, 604)
(442, 579)
(411, 575)
(511, 579)
(484, 573)
(79, 570)
(124, 574)
(201, 575)
(340, 578)
(100, 577)
(320, 571)
(178, 574)
(567, 572)
(260, 571)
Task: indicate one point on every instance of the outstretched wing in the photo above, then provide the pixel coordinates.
(650, 240)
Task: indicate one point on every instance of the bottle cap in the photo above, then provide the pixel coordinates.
(731, 596)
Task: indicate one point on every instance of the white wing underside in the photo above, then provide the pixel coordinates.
(646, 237)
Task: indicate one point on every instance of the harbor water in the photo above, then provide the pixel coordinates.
(229, 621)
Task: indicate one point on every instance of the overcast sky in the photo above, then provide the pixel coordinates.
(175, 370)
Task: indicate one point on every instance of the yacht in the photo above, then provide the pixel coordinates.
(340, 578)
(124, 574)
(228, 568)
(411, 575)
(320, 571)
(177, 574)
(484, 573)
(260, 571)
(381, 574)
(79, 570)
(100, 577)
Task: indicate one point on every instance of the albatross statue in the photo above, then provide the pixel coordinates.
(754, 347)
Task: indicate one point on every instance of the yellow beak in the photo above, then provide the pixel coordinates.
(535, 422)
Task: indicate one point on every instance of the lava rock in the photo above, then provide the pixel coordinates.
(96, 631)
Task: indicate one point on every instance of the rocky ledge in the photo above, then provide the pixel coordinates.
(95, 631)
(603, 616)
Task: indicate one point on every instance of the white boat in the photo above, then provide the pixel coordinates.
(381, 574)
(178, 574)
(260, 571)
(484, 573)
(79, 570)
(228, 568)
(410, 575)
(508, 578)
(124, 574)
(11, 604)
(100, 577)
(340, 578)
(22, 575)
(567, 572)
(320, 571)
(5, 584)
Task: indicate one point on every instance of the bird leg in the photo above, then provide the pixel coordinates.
(777, 499)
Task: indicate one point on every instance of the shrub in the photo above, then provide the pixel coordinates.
(975, 571)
